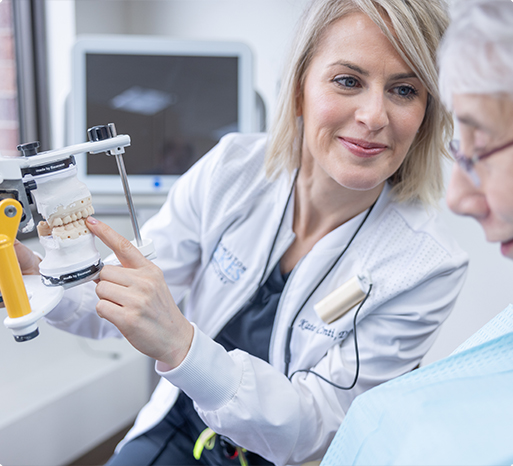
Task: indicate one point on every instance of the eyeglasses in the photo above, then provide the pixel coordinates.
(468, 163)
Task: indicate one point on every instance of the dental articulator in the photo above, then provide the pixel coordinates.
(49, 180)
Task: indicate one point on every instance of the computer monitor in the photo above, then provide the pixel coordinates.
(174, 98)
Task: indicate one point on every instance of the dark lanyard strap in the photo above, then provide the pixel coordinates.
(277, 233)
(291, 326)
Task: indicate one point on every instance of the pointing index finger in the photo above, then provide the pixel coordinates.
(125, 251)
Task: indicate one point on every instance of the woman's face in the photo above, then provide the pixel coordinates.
(361, 106)
(486, 123)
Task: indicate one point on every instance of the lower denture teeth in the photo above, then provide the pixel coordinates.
(58, 231)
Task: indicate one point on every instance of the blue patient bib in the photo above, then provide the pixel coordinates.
(457, 411)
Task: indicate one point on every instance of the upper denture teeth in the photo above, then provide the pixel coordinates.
(68, 222)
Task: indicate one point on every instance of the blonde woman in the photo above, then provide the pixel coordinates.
(264, 227)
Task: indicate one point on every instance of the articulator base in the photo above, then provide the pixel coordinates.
(42, 300)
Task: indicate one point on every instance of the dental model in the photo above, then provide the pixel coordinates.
(71, 256)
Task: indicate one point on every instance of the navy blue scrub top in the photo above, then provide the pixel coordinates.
(250, 329)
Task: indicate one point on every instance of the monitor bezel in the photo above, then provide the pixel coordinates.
(149, 45)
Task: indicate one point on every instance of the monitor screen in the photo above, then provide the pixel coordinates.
(175, 99)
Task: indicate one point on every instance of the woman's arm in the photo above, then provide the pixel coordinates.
(247, 399)
(136, 299)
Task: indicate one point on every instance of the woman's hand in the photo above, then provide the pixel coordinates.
(136, 299)
(29, 262)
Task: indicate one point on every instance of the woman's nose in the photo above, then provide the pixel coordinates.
(463, 197)
(372, 111)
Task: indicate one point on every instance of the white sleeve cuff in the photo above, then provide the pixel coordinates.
(208, 374)
(67, 308)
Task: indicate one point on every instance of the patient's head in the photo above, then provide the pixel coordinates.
(476, 81)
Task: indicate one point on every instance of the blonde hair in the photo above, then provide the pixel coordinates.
(416, 27)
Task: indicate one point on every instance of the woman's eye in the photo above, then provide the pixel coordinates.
(405, 91)
(347, 81)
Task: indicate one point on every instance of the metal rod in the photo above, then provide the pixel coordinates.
(128, 197)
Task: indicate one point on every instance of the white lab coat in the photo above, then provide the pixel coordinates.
(213, 237)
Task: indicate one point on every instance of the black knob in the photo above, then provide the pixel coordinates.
(29, 149)
(98, 133)
(101, 132)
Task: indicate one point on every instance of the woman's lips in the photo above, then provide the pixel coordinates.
(362, 148)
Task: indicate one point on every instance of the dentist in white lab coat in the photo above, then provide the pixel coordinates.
(265, 226)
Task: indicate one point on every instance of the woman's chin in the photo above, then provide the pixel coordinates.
(362, 184)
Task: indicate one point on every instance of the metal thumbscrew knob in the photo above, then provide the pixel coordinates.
(101, 132)
(29, 149)
(10, 211)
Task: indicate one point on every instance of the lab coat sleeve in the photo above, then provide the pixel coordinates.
(261, 402)
(290, 422)
(76, 313)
